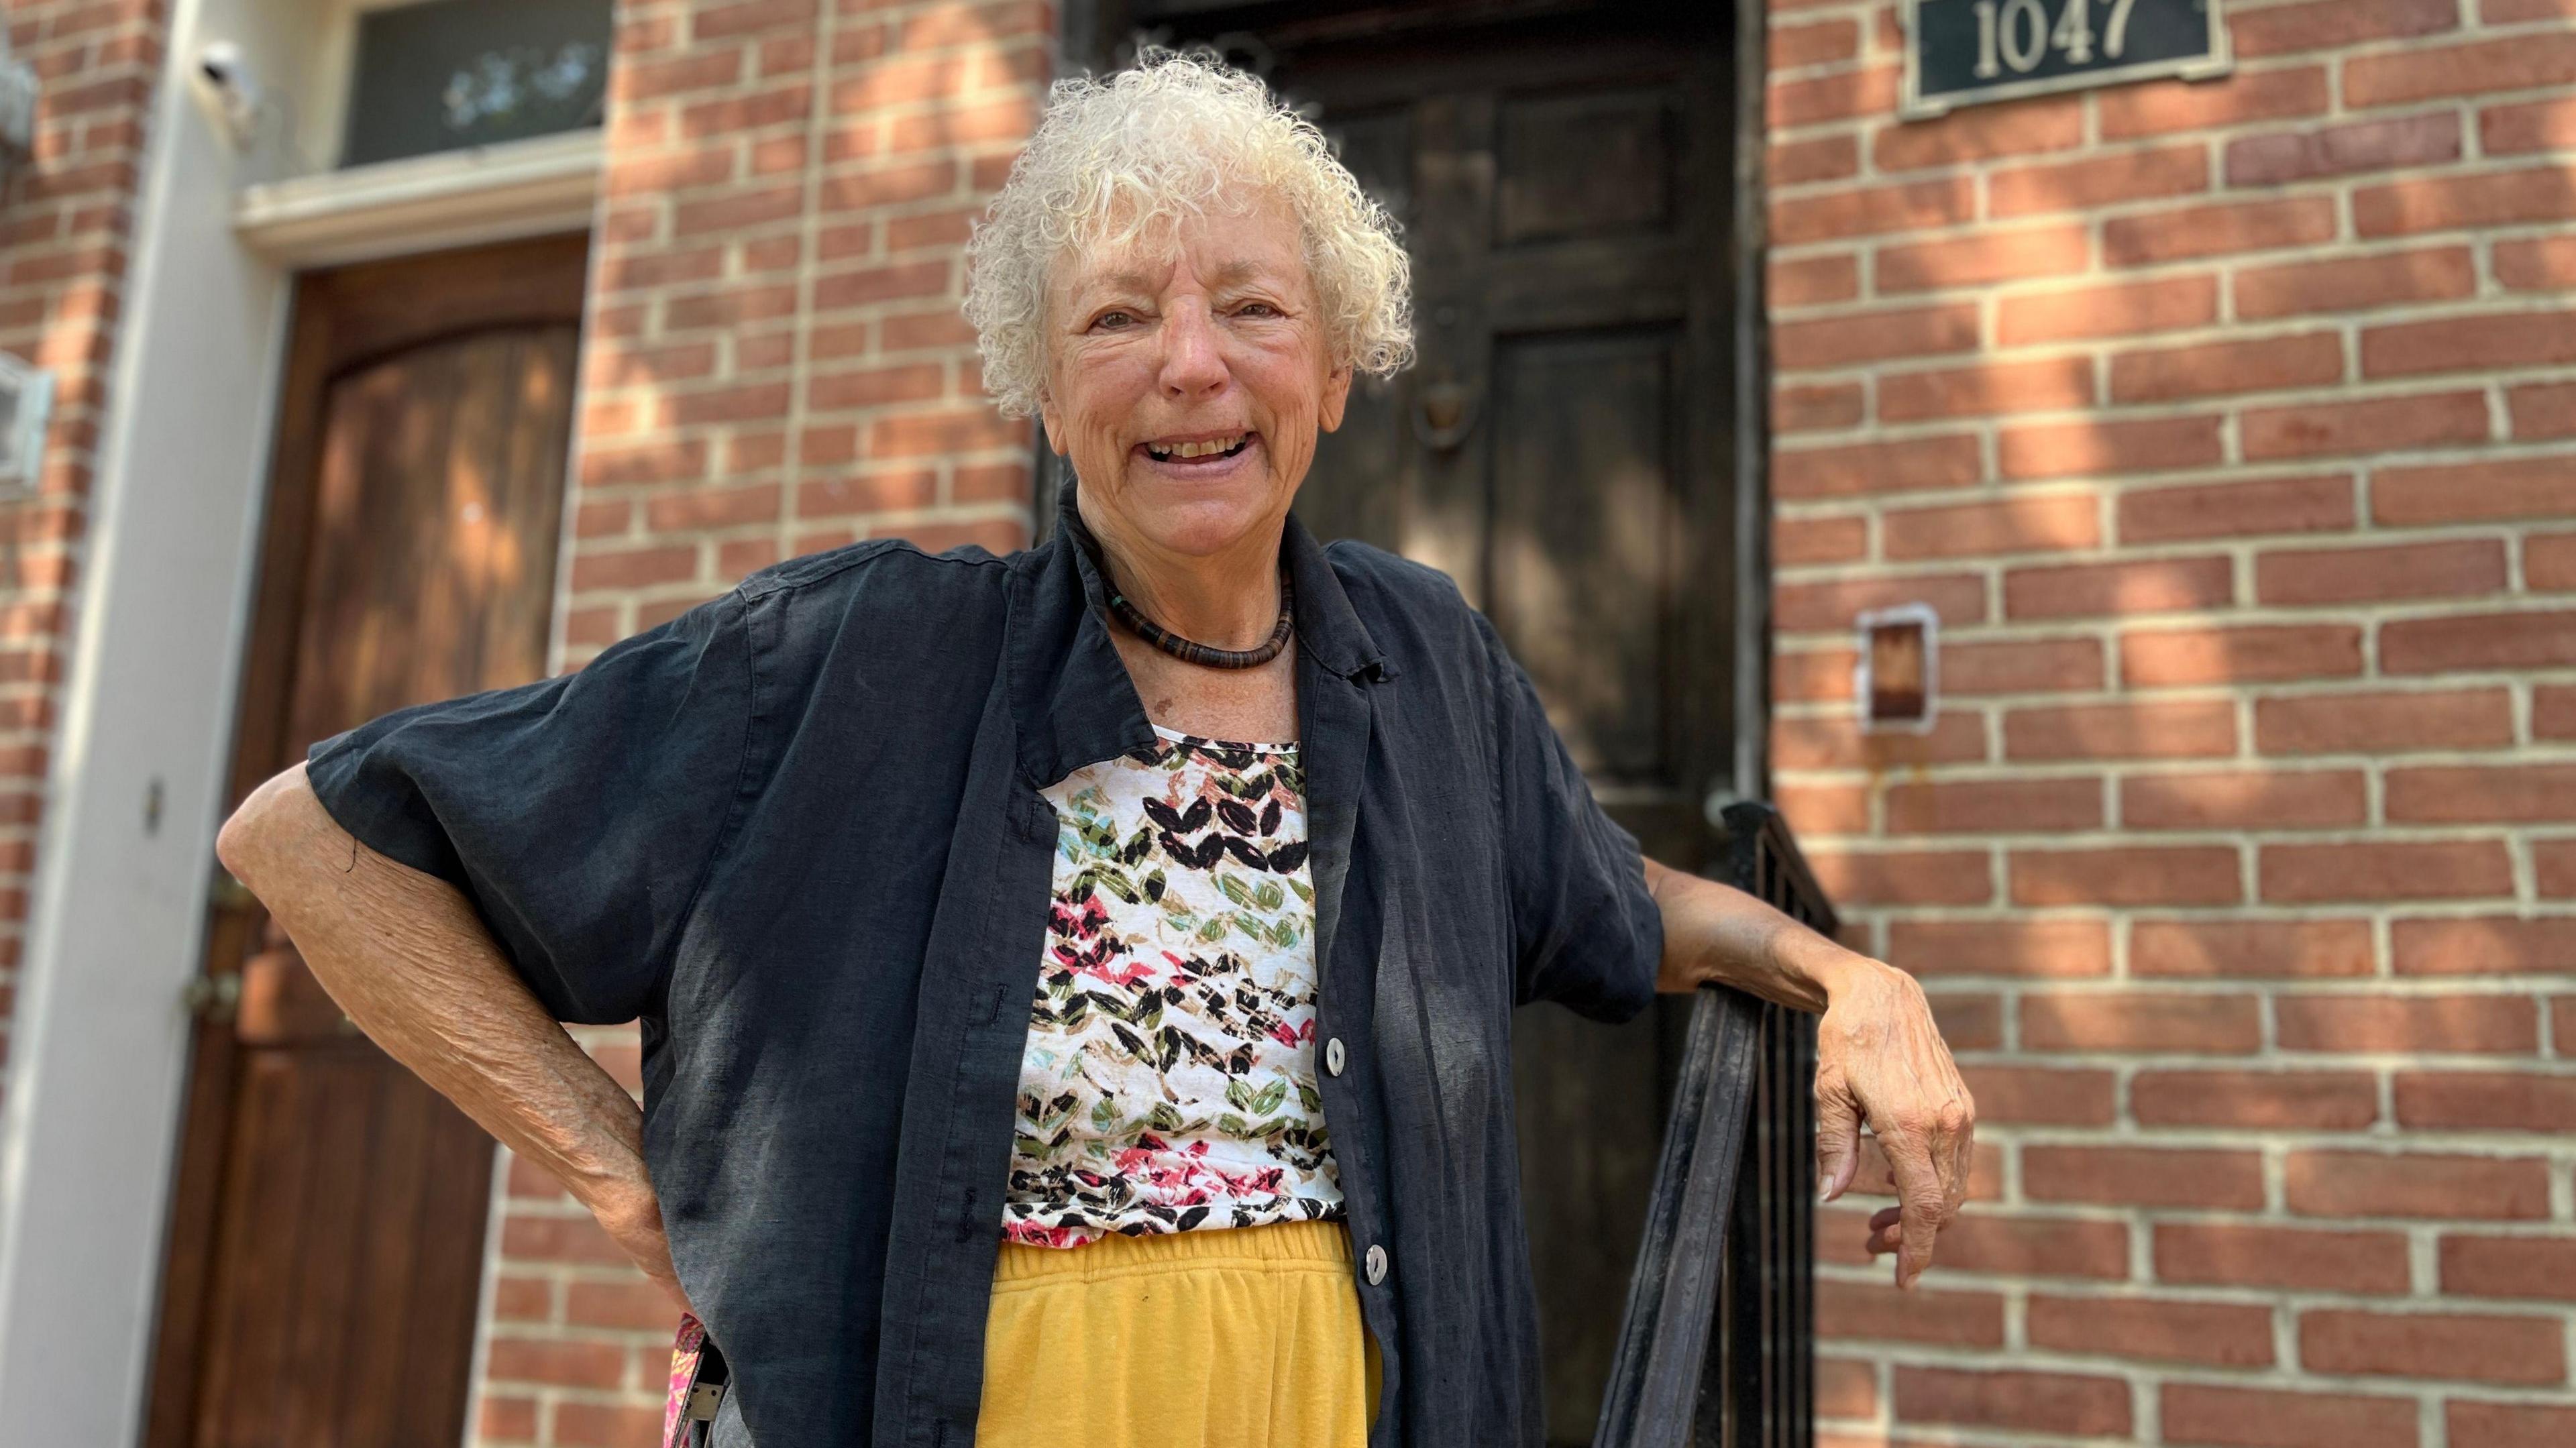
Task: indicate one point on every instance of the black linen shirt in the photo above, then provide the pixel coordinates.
(797, 832)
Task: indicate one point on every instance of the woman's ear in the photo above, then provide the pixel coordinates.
(1047, 419)
(1337, 396)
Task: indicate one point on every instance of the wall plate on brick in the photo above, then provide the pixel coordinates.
(1897, 676)
(1969, 52)
(26, 405)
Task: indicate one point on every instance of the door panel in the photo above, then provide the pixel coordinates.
(433, 560)
(327, 1236)
(1563, 448)
(1593, 163)
(1582, 575)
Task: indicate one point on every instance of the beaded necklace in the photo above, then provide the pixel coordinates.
(1191, 651)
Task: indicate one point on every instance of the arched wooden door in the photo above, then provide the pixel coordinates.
(327, 1236)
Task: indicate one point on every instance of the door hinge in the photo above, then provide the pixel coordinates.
(213, 997)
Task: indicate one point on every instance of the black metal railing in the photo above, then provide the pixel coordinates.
(1717, 1348)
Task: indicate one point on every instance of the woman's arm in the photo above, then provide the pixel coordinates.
(409, 961)
(1879, 1057)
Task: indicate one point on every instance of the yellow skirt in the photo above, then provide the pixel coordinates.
(1248, 1337)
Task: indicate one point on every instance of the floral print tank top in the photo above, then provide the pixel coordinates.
(1169, 1079)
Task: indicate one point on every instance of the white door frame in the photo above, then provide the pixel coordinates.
(99, 1050)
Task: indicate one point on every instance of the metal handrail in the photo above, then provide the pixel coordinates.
(1717, 1344)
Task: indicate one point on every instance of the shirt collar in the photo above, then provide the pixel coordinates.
(1070, 691)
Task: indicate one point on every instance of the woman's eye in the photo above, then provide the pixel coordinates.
(1106, 317)
(1263, 308)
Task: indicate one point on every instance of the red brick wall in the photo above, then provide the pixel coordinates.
(2231, 428)
(774, 364)
(66, 231)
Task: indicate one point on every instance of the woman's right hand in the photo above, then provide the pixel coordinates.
(633, 1220)
(407, 958)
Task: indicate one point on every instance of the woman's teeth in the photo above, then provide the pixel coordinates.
(1167, 451)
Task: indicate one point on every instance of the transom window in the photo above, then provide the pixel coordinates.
(445, 75)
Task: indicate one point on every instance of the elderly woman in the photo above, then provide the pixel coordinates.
(1075, 986)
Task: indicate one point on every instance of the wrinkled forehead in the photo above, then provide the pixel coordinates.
(1116, 256)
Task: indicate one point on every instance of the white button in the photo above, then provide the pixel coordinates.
(1333, 1055)
(1376, 1265)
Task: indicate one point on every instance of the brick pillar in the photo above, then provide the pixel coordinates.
(775, 358)
(63, 255)
(2227, 428)
(774, 364)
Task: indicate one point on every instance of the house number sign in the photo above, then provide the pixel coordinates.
(1967, 52)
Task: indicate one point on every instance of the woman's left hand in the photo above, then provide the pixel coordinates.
(1880, 1059)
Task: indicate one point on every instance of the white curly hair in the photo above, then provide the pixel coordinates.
(1117, 159)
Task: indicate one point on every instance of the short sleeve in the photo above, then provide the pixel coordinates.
(579, 813)
(1587, 932)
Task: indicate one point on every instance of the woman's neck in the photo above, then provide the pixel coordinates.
(1227, 600)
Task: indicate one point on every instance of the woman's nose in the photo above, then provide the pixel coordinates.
(1192, 360)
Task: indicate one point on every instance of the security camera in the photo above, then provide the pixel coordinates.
(226, 72)
(222, 64)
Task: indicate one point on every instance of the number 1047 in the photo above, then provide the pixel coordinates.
(2016, 35)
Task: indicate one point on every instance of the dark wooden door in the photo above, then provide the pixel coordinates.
(327, 1236)
(1563, 448)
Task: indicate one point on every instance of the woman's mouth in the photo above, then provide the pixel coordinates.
(1200, 458)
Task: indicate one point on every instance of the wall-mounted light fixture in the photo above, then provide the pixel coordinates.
(26, 403)
(1897, 678)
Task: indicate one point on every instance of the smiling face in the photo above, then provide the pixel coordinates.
(1154, 358)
